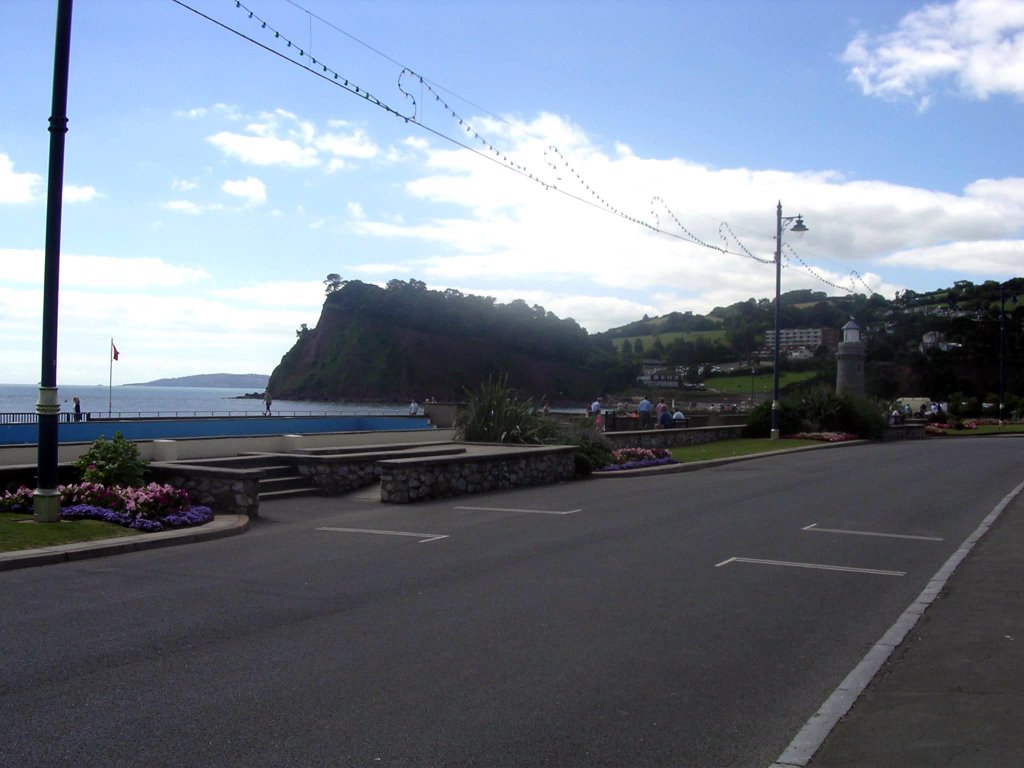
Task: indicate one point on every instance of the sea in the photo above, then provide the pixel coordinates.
(134, 401)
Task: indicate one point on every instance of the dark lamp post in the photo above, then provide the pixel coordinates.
(46, 500)
(798, 228)
(1002, 345)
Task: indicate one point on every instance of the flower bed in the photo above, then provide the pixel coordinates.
(152, 507)
(634, 458)
(828, 437)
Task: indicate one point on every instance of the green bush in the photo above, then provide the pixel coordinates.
(759, 422)
(862, 417)
(593, 449)
(112, 462)
(496, 414)
(820, 410)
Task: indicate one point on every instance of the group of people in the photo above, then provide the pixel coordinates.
(658, 416)
(664, 417)
(900, 412)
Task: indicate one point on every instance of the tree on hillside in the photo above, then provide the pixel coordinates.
(333, 283)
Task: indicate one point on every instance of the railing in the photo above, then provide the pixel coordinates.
(33, 418)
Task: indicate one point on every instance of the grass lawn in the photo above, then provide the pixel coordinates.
(988, 429)
(670, 336)
(18, 531)
(724, 449)
(740, 385)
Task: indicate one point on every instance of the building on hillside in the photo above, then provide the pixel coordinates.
(662, 378)
(936, 340)
(650, 365)
(793, 339)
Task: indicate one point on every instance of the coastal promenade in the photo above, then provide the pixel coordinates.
(945, 692)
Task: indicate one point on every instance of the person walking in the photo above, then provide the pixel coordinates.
(267, 400)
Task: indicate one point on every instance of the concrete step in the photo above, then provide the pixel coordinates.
(287, 493)
(278, 470)
(282, 483)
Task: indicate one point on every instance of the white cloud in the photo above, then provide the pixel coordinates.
(73, 194)
(184, 185)
(495, 229)
(282, 138)
(17, 187)
(265, 150)
(183, 206)
(981, 258)
(353, 144)
(224, 110)
(250, 189)
(25, 265)
(978, 44)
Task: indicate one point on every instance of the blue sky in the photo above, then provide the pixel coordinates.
(210, 185)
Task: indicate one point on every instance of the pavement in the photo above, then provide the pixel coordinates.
(944, 687)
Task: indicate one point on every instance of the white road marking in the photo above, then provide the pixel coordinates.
(816, 566)
(521, 511)
(423, 537)
(813, 528)
(810, 738)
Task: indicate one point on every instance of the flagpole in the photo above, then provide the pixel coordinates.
(110, 382)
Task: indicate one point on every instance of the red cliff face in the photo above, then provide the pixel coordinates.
(358, 352)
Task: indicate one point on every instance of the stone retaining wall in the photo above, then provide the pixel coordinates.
(335, 475)
(408, 480)
(225, 491)
(904, 432)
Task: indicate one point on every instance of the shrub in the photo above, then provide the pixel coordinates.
(593, 449)
(112, 462)
(496, 414)
(759, 423)
(862, 417)
(820, 410)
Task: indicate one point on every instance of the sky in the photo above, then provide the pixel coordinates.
(603, 159)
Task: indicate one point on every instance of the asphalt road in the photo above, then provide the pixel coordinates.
(678, 620)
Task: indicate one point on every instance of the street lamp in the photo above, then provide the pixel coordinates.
(798, 228)
(1002, 345)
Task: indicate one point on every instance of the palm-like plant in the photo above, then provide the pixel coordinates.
(496, 414)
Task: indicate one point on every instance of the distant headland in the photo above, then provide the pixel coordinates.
(226, 380)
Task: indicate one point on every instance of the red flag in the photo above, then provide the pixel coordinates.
(116, 353)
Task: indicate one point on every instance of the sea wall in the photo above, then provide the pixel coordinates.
(199, 427)
(164, 449)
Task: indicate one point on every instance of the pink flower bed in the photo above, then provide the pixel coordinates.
(152, 507)
(827, 437)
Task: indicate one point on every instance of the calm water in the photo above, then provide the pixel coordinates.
(131, 400)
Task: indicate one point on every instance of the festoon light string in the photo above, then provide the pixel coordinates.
(554, 158)
(485, 147)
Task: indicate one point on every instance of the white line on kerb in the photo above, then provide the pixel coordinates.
(423, 537)
(521, 511)
(813, 528)
(810, 738)
(815, 566)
